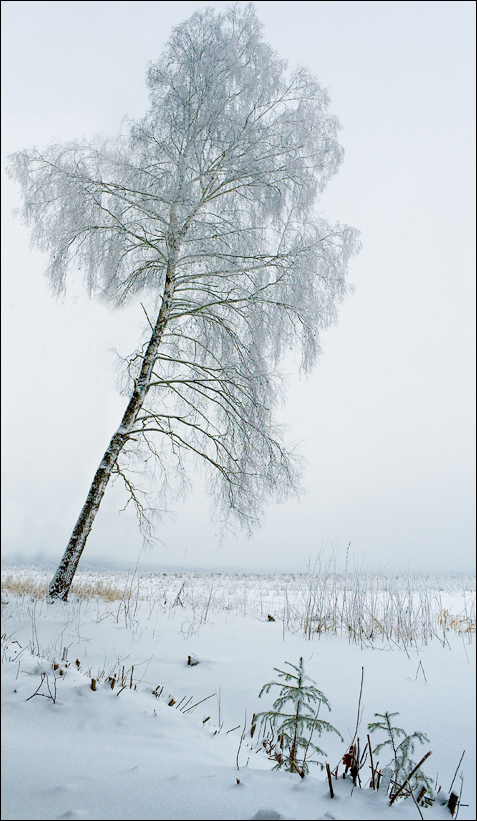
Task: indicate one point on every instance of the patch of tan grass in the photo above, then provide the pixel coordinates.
(23, 585)
(459, 624)
(96, 588)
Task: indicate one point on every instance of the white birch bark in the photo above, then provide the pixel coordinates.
(62, 580)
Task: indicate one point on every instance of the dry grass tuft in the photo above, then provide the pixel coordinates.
(96, 588)
(23, 585)
(459, 624)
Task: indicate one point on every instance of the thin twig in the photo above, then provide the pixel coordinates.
(460, 796)
(241, 739)
(423, 673)
(36, 691)
(150, 323)
(197, 703)
(417, 805)
(372, 765)
(409, 777)
(455, 774)
(359, 706)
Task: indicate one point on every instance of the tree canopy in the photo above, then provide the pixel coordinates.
(205, 209)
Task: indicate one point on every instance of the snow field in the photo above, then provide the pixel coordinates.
(124, 753)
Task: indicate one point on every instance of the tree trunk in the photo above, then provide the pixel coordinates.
(63, 578)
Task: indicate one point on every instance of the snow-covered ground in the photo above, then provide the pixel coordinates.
(173, 746)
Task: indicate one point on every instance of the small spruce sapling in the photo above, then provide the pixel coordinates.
(401, 765)
(294, 729)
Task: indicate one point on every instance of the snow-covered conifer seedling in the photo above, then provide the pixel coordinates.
(287, 736)
(405, 772)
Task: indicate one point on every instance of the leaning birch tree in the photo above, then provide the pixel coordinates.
(205, 211)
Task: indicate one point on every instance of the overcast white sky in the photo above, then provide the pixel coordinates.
(387, 419)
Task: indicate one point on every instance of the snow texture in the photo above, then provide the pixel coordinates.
(132, 754)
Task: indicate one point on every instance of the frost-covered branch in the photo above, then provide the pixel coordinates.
(205, 210)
